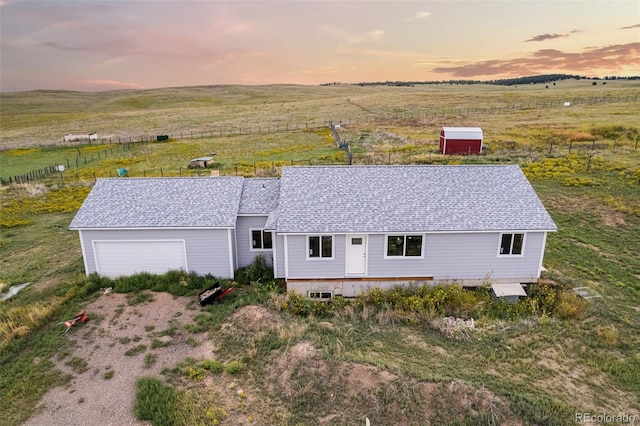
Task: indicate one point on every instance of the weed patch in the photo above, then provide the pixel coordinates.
(234, 367)
(136, 350)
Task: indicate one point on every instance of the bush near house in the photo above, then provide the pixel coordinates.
(415, 304)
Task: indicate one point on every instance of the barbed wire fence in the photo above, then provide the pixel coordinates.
(126, 143)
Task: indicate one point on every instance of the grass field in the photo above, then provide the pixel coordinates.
(583, 161)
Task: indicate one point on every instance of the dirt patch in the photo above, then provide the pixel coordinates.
(286, 365)
(252, 319)
(301, 350)
(455, 400)
(365, 377)
(112, 351)
(413, 340)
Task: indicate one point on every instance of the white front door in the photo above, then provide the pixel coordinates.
(356, 254)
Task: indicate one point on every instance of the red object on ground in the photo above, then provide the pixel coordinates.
(81, 317)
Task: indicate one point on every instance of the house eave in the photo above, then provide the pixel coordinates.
(148, 228)
(487, 231)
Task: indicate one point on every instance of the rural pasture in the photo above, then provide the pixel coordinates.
(259, 360)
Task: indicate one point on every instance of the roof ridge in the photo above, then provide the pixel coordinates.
(362, 166)
(168, 177)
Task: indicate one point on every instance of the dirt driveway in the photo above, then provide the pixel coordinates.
(109, 358)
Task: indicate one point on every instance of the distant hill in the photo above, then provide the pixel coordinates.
(546, 78)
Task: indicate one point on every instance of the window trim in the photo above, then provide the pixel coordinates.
(524, 240)
(404, 254)
(333, 244)
(251, 248)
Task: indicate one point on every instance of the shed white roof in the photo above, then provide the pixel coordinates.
(462, 132)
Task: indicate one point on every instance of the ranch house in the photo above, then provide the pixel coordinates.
(326, 230)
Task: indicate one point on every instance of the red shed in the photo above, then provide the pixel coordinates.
(461, 140)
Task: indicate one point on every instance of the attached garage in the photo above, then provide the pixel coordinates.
(154, 225)
(117, 258)
(461, 140)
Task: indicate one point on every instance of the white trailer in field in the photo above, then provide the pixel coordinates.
(70, 137)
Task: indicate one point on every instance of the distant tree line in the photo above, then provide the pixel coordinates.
(546, 78)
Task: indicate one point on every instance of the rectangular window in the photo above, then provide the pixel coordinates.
(327, 246)
(256, 240)
(261, 240)
(395, 245)
(511, 244)
(414, 245)
(320, 295)
(404, 245)
(321, 246)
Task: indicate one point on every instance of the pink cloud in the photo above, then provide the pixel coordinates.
(544, 37)
(612, 57)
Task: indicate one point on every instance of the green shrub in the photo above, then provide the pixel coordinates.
(570, 305)
(413, 304)
(155, 402)
(608, 335)
(234, 367)
(212, 366)
(268, 287)
(216, 415)
(197, 374)
(177, 283)
(256, 272)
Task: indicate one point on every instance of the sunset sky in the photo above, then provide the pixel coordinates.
(103, 45)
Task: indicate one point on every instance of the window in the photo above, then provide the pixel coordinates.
(321, 246)
(404, 245)
(511, 244)
(261, 240)
(320, 295)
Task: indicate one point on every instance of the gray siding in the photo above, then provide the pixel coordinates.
(278, 268)
(207, 250)
(243, 239)
(458, 256)
(234, 248)
(473, 256)
(380, 267)
(301, 267)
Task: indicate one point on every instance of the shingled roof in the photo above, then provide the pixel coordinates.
(407, 198)
(161, 202)
(327, 199)
(259, 196)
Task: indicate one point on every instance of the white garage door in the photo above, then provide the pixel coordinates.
(117, 258)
